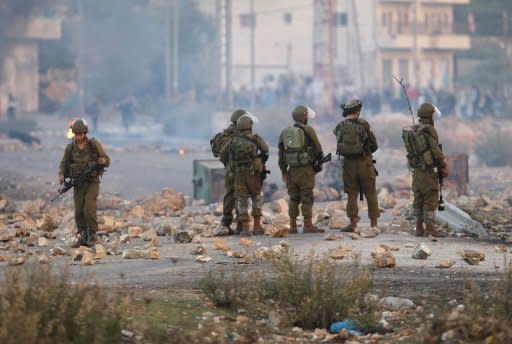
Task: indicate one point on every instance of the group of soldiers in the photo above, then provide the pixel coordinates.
(245, 153)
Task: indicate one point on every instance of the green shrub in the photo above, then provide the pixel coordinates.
(308, 293)
(39, 305)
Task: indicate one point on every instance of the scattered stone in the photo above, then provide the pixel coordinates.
(396, 303)
(354, 236)
(203, 259)
(445, 264)
(135, 231)
(163, 229)
(47, 224)
(183, 237)
(100, 251)
(472, 257)
(138, 253)
(136, 212)
(43, 259)
(279, 206)
(339, 253)
(7, 234)
(42, 242)
(124, 238)
(88, 258)
(219, 244)
(246, 242)
(199, 250)
(386, 260)
(58, 251)
(333, 237)
(15, 261)
(149, 235)
(371, 232)
(421, 251)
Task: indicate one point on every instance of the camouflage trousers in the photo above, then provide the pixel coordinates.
(248, 186)
(301, 182)
(359, 175)
(425, 188)
(85, 199)
(229, 197)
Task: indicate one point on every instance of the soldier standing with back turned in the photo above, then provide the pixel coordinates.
(299, 148)
(247, 153)
(356, 142)
(217, 143)
(425, 185)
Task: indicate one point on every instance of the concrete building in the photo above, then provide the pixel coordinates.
(367, 40)
(21, 61)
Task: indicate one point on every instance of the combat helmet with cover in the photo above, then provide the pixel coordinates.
(79, 126)
(351, 135)
(297, 151)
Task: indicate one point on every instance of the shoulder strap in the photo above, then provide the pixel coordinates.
(309, 139)
(252, 140)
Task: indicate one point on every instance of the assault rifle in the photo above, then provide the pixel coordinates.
(264, 158)
(317, 164)
(70, 182)
(440, 176)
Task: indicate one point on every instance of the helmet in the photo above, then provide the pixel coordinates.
(244, 123)
(79, 126)
(236, 115)
(351, 107)
(302, 112)
(426, 110)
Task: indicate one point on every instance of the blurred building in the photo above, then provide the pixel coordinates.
(360, 43)
(20, 60)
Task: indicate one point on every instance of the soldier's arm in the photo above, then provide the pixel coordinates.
(372, 139)
(102, 154)
(316, 143)
(437, 153)
(262, 144)
(63, 167)
(281, 161)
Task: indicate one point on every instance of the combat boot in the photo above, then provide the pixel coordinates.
(257, 229)
(352, 226)
(93, 240)
(420, 230)
(246, 231)
(293, 225)
(309, 227)
(432, 230)
(373, 223)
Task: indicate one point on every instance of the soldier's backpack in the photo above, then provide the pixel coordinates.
(351, 137)
(419, 153)
(295, 146)
(221, 140)
(243, 151)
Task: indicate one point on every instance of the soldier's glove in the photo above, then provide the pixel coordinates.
(61, 179)
(444, 171)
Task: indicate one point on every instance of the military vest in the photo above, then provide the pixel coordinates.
(351, 138)
(416, 142)
(79, 160)
(243, 152)
(295, 145)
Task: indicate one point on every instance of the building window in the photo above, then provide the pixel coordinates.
(247, 20)
(386, 73)
(340, 19)
(287, 18)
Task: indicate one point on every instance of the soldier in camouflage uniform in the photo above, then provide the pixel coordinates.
(359, 173)
(220, 140)
(299, 148)
(247, 154)
(425, 185)
(78, 156)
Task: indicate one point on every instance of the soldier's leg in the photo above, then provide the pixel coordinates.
(367, 180)
(242, 202)
(255, 190)
(307, 196)
(229, 198)
(351, 188)
(429, 211)
(295, 200)
(418, 202)
(81, 224)
(90, 208)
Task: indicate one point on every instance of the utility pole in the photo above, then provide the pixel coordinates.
(415, 44)
(218, 51)
(175, 46)
(229, 87)
(358, 42)
(167, 50)
(81, 82)
(253, 77)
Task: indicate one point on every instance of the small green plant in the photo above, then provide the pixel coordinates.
(309, 293)
(39, 305)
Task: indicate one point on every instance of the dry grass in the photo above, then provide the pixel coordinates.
(40, 305)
